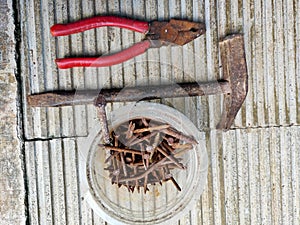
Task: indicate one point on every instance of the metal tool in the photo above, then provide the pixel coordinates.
(234, 86)
(235, 72)
(158, 33)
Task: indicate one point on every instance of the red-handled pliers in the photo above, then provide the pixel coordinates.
(157, 33)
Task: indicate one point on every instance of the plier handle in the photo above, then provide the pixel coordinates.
(178, 32)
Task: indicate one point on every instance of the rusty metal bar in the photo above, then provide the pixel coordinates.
(128, 94)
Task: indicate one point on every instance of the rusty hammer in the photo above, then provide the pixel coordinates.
(234, 86)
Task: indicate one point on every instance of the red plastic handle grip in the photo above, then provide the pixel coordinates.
(103, 61)
(99, 21)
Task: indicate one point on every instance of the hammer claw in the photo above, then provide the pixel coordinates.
(235, 72)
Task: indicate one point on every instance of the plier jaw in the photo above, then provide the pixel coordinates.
(174, 32)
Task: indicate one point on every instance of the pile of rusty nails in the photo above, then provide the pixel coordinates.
(145, 152)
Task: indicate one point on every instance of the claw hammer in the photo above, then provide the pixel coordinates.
(233, 85)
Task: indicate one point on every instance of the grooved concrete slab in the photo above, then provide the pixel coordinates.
(254, 168)
(12, 192)
(253, 178)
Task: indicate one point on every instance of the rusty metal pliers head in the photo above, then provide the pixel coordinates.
(158, 33)
(177, 32)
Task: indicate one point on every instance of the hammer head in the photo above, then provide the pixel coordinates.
(235, 72)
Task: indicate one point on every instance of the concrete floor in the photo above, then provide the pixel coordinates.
(12, 190)
(253, 175)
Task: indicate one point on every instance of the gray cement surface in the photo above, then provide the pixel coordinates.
(12, 192)
(253, 175)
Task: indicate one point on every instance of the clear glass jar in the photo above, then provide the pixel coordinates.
(160, 205)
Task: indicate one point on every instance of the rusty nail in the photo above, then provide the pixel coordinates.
(170, 157)
(149, 129)
(130, 130)
(123, 150)
(138, 140)
(100, 103)
(180, 136)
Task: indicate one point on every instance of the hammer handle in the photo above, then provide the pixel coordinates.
(128, 94)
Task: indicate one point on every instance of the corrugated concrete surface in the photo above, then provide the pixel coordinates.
(12, 191)
(254, 168)
(253, 179)
(271, 43)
